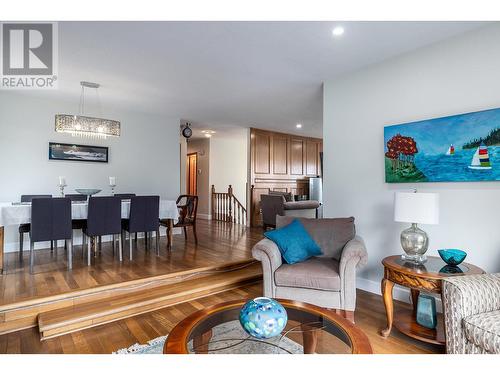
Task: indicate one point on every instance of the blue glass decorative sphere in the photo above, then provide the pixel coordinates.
(453, 257)
(263, 317)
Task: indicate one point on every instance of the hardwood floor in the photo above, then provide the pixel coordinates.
(370, 317)
(218, 243)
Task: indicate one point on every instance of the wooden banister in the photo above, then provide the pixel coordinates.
(226, 207)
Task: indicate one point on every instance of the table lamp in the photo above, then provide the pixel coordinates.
(415, 208)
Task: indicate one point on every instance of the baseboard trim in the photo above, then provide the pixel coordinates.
(399, 293)
(204, 216)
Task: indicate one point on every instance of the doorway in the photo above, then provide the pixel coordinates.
(191, 183)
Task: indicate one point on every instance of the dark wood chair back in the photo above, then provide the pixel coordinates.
(188, 206)
(50, 219)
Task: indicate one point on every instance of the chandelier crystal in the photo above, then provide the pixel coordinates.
(85, 126)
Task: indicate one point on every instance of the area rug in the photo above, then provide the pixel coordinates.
(226, 340)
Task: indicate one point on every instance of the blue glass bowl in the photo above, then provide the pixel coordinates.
(263, 317)
(453, 257)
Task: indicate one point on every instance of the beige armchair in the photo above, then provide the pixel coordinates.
(472, 314)
(328, 280)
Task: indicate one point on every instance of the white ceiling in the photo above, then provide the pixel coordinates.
(223, 74)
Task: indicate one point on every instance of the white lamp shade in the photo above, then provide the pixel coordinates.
(420, 208)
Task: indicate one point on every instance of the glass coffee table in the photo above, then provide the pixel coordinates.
(310, 329)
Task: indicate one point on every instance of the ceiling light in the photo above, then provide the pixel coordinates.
(338, 31)
(85, 126)
(208, 133)
(298, 126)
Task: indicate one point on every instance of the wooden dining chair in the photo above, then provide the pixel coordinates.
(51, 221)
(188, 207)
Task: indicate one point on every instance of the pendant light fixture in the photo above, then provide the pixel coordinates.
(85, 126)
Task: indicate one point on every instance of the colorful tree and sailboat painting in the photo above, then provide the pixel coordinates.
(463, 147)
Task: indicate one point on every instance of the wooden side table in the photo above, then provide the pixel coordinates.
(426, 277)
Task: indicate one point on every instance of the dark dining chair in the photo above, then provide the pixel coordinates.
(127, 196)
(25, 228)
(76, 197)
(50, 221)
(188, 207)
(77, 224)
(144, 213)
(103, 218)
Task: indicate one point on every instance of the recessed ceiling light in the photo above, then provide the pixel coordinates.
(298, 126)
(208, 133)
(338, 31)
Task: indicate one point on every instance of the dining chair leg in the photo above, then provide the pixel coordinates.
(113, 239)
(120, 248)
(84, 241)
(170, 229)
(146, 241)
(158, 242)
(21, 245)
(185, 233)
(194, 233)
(135, 236)
(32, 256)
(123, 237)
(52, 246)
(70, 253)
(100, 244)
(89, 248)
(130, 246)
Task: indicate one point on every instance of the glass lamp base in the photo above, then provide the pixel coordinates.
(419, 259)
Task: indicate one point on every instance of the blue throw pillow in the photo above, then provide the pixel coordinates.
(295, 244)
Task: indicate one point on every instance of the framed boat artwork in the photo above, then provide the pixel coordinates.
(457, 148)
(68, 151)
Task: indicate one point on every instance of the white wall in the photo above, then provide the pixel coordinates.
(455, 76)
(229, 161)
(144, 159)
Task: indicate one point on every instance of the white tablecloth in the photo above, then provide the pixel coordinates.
(15, 214)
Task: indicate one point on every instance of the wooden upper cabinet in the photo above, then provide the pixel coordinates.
(280, 155)
(262, 153)
(297, 156)
(312, 158)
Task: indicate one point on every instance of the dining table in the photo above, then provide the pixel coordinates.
(17, 213)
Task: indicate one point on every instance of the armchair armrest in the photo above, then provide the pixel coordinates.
(464, 296)
(267, 252)
(353, 255)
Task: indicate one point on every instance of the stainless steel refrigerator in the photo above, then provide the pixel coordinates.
(316, 192)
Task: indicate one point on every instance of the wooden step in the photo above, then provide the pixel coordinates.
(24, 313)
(74, 318)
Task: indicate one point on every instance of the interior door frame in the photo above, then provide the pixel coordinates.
(188, 173)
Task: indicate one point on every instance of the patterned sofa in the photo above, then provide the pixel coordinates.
(472, 314)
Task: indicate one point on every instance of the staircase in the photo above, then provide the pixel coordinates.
(227, 208)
